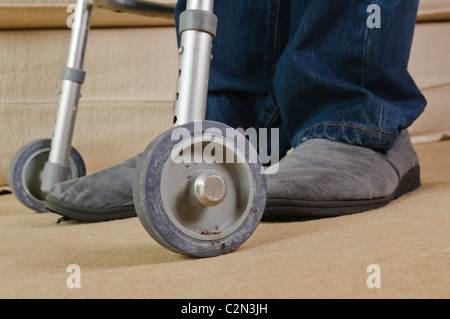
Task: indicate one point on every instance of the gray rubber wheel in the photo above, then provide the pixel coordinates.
(199, 192)
(25, 172)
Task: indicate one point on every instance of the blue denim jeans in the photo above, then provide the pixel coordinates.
(314, 69)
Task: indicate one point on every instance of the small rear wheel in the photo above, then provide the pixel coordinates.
(25, 172)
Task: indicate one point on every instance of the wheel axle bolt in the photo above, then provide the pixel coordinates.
(210, 188)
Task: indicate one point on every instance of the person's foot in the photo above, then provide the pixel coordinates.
(102, 196)
(324, 178)
(319, 178)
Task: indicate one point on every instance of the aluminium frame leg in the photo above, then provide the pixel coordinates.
(198, 26)
(57, 168)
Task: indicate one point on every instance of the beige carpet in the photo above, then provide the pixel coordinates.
(328, 258)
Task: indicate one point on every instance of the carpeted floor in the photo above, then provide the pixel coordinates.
(409, 240)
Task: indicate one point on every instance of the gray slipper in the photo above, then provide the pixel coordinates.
(104, 195)
(325, 178)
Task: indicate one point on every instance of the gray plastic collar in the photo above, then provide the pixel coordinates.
(73, 74)
(200, 20)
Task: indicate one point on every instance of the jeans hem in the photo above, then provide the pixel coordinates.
(348, 133)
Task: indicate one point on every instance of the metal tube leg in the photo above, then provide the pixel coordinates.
(197, 28)
(57, 169)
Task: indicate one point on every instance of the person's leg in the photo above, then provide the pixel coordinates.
(341, 80)
(345, 97)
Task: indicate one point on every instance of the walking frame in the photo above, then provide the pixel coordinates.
(199, 210)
